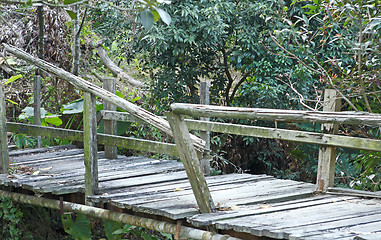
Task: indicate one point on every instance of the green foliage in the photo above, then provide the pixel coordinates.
(369, 165)
(79, 229)
(111, 229)
(10, 220)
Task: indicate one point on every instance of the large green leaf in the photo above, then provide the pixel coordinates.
(164, 16)
(147, 19)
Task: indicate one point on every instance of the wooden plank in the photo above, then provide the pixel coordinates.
(355, 118)
(359, 224)
(353, 192)
(86, 86)
(279, 224)
(371, 236)
(4, 155)
(110, 126)
(179, 184)
(163, 204)
(327, 154)
(289, 135)
(208, 219)
(191, 163)
(158, 194)
(15, 153)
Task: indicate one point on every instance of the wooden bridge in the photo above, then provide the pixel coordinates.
(176, 197)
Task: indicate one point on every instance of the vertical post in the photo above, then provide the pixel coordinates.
(327, 154)
(90, 145)
(37, 77)
(37, 105)
(4, 156)
(205, 135)
(110, 125)
(191, 163)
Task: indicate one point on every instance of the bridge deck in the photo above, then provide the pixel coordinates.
(258, 205)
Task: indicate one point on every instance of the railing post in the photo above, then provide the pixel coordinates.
(90, 145)
(4, 155)
(111, 152)
(37, 105)
(205, 135)
(327, 154)
(191, 163)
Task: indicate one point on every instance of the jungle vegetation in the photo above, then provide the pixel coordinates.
(266, 54)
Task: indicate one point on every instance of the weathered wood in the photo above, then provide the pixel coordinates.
(160, 226)
(355, 118)
(353, 192)
(37, 103)
(4, 155)
(74, 135)
(139, 144)
(191, 163)
(290, 135)
(86, 86)
(327, 154)
(110, 126)
(90, 144)
(205, 135)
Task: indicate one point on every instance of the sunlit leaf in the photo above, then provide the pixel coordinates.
(164, 16)
(12, 79)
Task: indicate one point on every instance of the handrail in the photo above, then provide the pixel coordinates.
(328, 140)
(265, 132)
(353, 118)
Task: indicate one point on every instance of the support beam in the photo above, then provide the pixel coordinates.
(327, 154)
(90, 145)
(185, 232)
(110, 126)
(191, 163)
(4, 155)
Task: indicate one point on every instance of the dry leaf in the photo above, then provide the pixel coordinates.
(46, 169)
(179, 189)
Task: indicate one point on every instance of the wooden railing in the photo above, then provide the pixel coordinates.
(327, 141)
(188, 146)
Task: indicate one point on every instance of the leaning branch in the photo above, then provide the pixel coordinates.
(86, 86)
(102, 53)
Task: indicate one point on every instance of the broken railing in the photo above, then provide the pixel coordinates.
(327, 139)
(89, 135)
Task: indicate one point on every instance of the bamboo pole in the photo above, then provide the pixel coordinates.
(86, 86)
(156, 225)
(354, 118)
